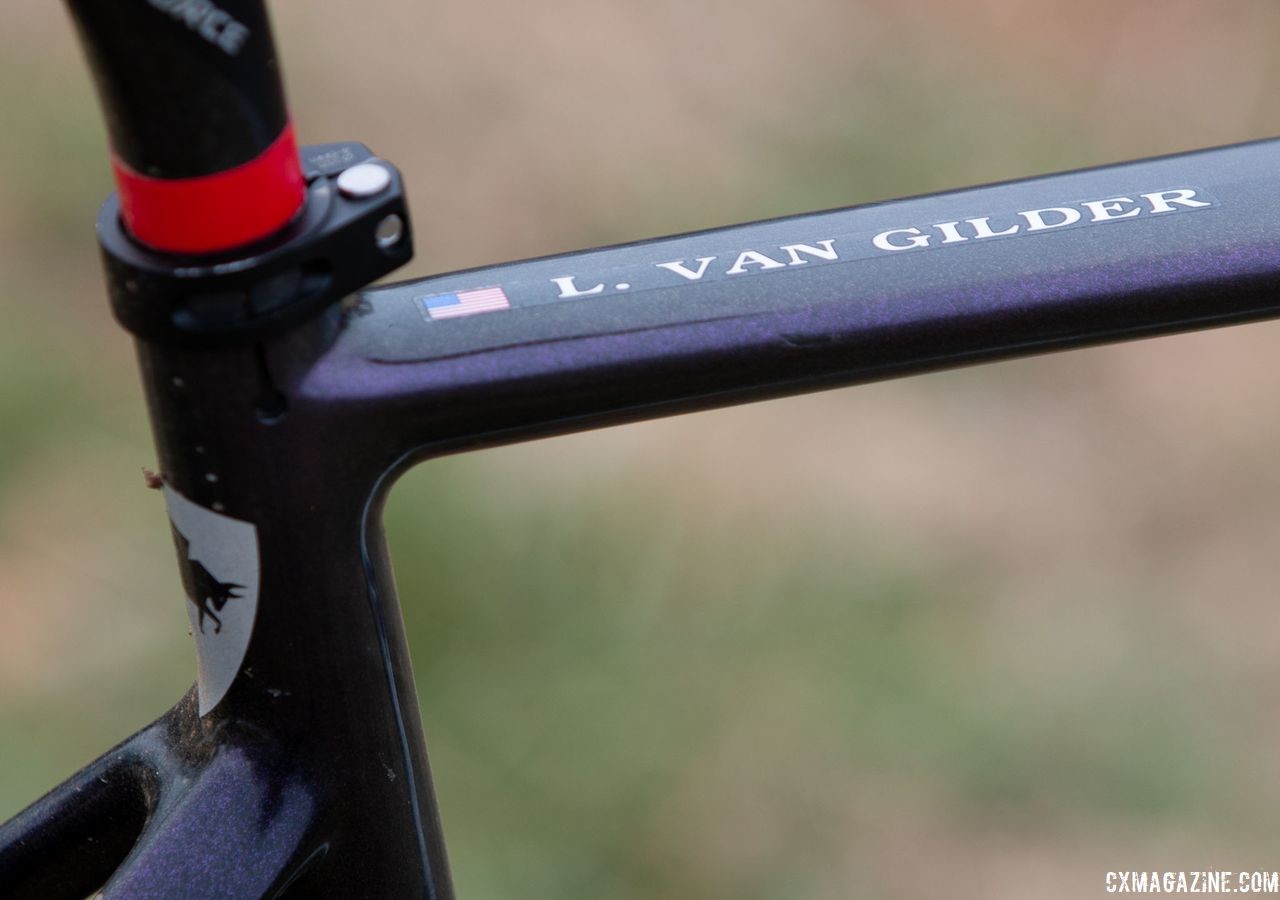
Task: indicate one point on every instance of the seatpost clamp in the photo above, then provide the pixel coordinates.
(352, 229)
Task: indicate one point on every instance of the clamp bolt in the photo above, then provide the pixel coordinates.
(364, 180)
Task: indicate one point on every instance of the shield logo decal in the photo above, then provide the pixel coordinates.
(219, 564)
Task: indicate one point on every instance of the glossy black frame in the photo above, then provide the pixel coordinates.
(312, 773)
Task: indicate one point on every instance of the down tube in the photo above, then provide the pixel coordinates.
(832, 298)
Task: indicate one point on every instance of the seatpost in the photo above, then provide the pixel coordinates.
(202, 148)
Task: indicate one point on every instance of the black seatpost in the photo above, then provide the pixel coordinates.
(202, 148)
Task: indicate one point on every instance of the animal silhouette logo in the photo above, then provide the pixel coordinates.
(206, 593)
(221, 574)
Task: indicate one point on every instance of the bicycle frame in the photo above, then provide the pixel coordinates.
(305, 796)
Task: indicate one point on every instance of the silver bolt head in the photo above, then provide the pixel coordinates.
(364, 180)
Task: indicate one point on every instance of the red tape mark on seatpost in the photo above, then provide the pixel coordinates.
(212, 213)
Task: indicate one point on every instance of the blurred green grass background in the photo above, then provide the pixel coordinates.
(971, 635)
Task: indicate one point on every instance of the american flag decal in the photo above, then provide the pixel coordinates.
(465, 303)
